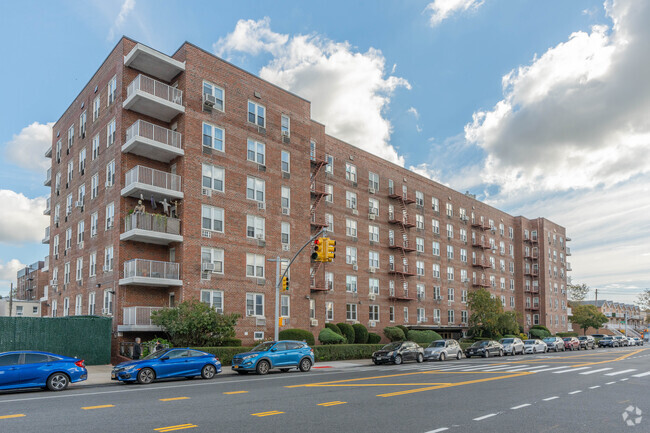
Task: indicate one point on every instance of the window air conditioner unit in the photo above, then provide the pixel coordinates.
(436, 320)
(355, 267)
(285, 133)
(106, 268)
(261, 206)
(53, 283)
(372, 324)
(250, 312)
(79, 204)
(207, 267)
(285, 211)
(206, 234)
(355, 212)
(260, 321)
(106, 312)
(261, 130)
(285, 247)
(371, 216)
(206, 192)
(372, 297)
(209, 100)
(313, 322)
(219, 310)
(372, 270)
(371, 190)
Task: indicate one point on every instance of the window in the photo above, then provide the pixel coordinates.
(351, 311)
(329, 220)
(436, 248)
(450, 210)
(66, 306)
(350, 172)
(421, 315)
(70, 136)
(512, 301)
(110, 133)
(81, 193)
(58, 151)
(391, 313)
(254, 227)
(217, 92)
(256, 114)
(255, 265)
(94, 186)
(535, 319)
(255, 189)
(285, 199)
(112, 89)
(450, 294)
(351, 283)
(82, 125)
(436, 315)
(213, 137)
(435, 204)
(373, 206)
(93, 224)
(70, 173)
(463, 296)
(284, 306)
(373, 259)
(68, 238)
(108, 259)
(351, 255)
(450, 252)
(96, 108)
(329, 310)
(68, 204)
(213, 177)
(312, 308)
(436, 270)
(419, 245)
(329, 168)
(91, 303)
(373, 286)
(419, 198)
(351, 228)
(92, 264)
(420, 267)
(463, 316)
(77, 305)
(435, 224)
(450, 316)
(54, 305)
(421, 291)
(80, 232)
(94, 148)
(350, 200)
(373, 181)
(214, 298)
(256, 151)
(110, 215)
(212, 218)
(82, 161)
(285, 126)
(285, 161)
(463, 255)
(450, 273)
(463, 235)
(110, 173)
(285, 233)
(450, 231)
(329, 189)
(406, 314)
(55, 248)
(373, 233)
(57, 182)
(214, 256)
(419, 221)
(511, 233)
(373, 313)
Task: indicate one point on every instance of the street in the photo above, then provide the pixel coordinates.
(585, 391)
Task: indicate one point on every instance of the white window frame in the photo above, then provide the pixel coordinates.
(256, 300)
(215, 215)
(214, 90)
(257, 110)
(255, 187)
(255, 265)
(256, 151)
(215, 175)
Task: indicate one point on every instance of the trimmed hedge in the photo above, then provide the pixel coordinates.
(231, 342)
(539, 333)
(404, 329)
(225, 354)
(373, 338)
(328, 336)
(360, 334)
(298, 335)
(334, 328)
(341, 352)
(510, 336)
(393, 333)
(348, 332)
(567, 334)
(423, 337)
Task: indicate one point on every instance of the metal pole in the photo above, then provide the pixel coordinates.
(11, 298)
(626, 324)
(276, 335)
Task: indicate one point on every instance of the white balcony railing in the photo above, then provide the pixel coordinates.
(155, 178)
(47, 206)
(155, 88)
(48, 177)
(138, 316)
(141, 268)
(155, 133)
(151, 222)
(46, 239)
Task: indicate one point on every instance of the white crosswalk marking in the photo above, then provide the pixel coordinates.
(616, 373)
(596, 371)
(571, 370)
(533, 368)
(647, 373)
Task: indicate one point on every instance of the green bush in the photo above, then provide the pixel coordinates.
(347, 331)
(539, 333)
(567, 334)
(225, 354)
(334, 328)
(360, 334)
(230, 342)
(510, 336)
(298, 335)
(542, 327)
(373, 338)
(340, 352)
(393, 333)
(465, 344)
(404, 329)
(327, 336)
(423, 337)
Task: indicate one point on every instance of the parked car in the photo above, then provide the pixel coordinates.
(630, 341)
(639, 342)
(512, 346)
(168, 363)
(622, 341)
(608, 341)
(555, 344)
(442, 349)
(598, 335)
(587, 342)
(33, 369)
(284, 355)
(535, 346)
(398, 352)
(571, 343)
(485, 348)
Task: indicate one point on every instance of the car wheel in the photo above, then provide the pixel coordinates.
(58, 382)
(500, 352)
(443, 356)
(398, 360)
(486, 354)
(305, 365)
(376, 362)
(208, 371)
(146, 375)
(242, 372)
(284, 370)
(262, 367)
(459, 355)
(420, 357)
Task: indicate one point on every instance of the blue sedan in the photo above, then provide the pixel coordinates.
(284, 355)
(31, 369)
(168, 363)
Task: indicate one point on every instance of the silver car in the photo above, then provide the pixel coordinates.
(440, 350)
(512, 346)
(535, 346)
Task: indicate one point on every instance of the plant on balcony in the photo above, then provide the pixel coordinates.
(194, 323)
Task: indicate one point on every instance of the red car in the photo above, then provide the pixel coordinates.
(571, 343)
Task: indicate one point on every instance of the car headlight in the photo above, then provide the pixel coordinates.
(130, 368)
(245, 358)
(391, 353)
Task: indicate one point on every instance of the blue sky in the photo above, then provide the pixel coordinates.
(530, 105)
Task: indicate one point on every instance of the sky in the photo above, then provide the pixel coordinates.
(538, 108)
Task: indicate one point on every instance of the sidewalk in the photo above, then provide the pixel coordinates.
(101, 374)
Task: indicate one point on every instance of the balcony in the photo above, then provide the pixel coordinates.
(320, 285)
(154, 63)
(481, 283)
(153, 142)
(568, 267)
(404, 220)
(394, 271)
(47, 207)
(478, 244)
(151, 229)
(316, 222)
(481, 264)
(46, 264)
(531, 273)
(404, 197)
(48, 152)
(404, 247)
(404, 296)
(138, 319)
(153, 98)
(317, 189)
(46, 239)
(48, 177)
(145, 181)
(141, 272)
(568, 251)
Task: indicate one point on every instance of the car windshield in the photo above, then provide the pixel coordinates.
(582, 338)
(529, 342)
(480, 343)
(607, 338)
(507, 341)
(550, 340)
(157, 354)
(439, 343)
(391, 346)
(263, 347)
(567, 339)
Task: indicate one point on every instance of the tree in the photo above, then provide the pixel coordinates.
(507, 323)
(195, 323)
(587, 316)
(644, 300)
(578, 292)
(486, 310)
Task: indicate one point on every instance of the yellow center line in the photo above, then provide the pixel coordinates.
(377, 384)
(235, 392)
(332, 403)
(261, 414)
(18, 415)
(175, 427)
(357, 379)
(175, 398)
(620, 358)
(98, 407)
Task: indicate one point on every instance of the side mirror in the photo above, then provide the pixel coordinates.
(274, 350)
(164, 358)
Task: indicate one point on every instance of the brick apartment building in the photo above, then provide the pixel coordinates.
(32, 282)
(232, 172)
(616, 312)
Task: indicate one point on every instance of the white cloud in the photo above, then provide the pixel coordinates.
(22, 218)
(577, 116)
(27, 149)
(8, 273)
(414, 112)
(443, 9)
(349, 90)
(127, 7)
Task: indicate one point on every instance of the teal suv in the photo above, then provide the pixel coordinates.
(283, 355)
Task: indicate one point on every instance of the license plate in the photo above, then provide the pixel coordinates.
(112, 375)
(235, 366)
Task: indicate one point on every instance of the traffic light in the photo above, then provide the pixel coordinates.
(319, 250)
(330, 249)
(285, 284)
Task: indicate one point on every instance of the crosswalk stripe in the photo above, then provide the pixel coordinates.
(616, 373)
(528, 368)
(552, 368)
(596, 371)
(571, 370)
(647, 373)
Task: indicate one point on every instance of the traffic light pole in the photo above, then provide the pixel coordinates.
(278, 281)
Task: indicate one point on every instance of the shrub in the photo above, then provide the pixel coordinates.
(539, 333)
(225, 354)
(393, 333)
(328, 336)
(230, 342)
(340, 352)
(334, 328)
(297, 334)
(542, 327)
(510, 336)
(360, 334)
(423, 337)
(347, 331)
(567, 334)
(373, 338)
(404, 329)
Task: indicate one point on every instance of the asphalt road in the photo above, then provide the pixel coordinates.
(585, 391)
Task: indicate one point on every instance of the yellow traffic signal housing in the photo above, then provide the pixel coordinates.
(319, 250)
(285, 284)
(330, 249)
